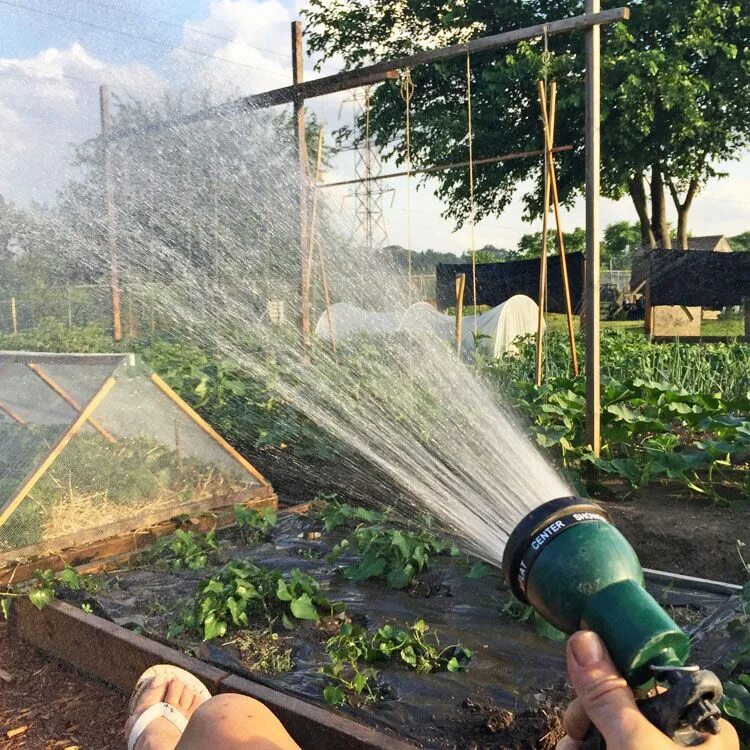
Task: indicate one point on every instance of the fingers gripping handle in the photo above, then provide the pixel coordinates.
(685, 712)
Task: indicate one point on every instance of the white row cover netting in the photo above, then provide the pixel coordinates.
(494, 331)
(93, 442)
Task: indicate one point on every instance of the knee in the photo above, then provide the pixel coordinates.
(233, 718)
(230, 705)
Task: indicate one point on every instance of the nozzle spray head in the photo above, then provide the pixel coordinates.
(570, 563)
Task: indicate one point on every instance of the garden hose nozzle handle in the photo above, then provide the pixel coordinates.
(684, 712)
(567, 560)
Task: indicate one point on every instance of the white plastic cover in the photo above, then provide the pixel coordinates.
(497, 329)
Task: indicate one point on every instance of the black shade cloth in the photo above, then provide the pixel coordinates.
(497, 282)
(698, 279)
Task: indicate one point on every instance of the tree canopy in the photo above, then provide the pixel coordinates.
(676, 96)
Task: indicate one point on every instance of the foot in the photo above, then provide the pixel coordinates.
(161, 734)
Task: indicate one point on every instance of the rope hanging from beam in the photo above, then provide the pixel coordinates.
(472, 204)
(407, 92)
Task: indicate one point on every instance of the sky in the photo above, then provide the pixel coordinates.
(55, 53)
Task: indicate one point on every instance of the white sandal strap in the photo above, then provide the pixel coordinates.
(157, 711)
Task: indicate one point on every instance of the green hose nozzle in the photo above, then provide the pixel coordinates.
(570, 563)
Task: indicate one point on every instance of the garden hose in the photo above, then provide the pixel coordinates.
(568, 561)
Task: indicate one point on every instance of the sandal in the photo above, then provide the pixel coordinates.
(161, 710)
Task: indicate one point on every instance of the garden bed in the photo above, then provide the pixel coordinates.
(510, 696)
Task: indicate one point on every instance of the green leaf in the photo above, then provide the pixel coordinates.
(41, 597)
(399, 578)
(303, 608)
(213, 627)
(478, 570)
(282, 591)
(736, 702)
(333, 695)
(70, 578)
(5, 606)
(408, 655)
(453, 665)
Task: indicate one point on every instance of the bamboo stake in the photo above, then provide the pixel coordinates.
(542, 270)
(314, 236)
(558, 222)
(314, 212)
(13, 314)
(460, 290)
(69, 400)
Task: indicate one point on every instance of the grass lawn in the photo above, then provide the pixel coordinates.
(731, 327)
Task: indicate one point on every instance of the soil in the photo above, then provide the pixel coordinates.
(685, 535)
(60, 708)
(539, 728)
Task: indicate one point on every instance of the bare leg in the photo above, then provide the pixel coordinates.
(226, 722)
(235, 722)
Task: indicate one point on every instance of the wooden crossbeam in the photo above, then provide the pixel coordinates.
(7, 509)
(446, 167)
(370, 74)
(15, 417)
(69, 400)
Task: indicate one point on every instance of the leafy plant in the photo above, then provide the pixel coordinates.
(412, 646)
(241, 591)
(186, 550)
(254, 524)
(736, 701)
(520, 612)
(45, 586)
(336, 514)
(396, 555)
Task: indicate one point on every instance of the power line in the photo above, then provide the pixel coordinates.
(172, 24)
(210, 35)
(32, 76)
(137, 37)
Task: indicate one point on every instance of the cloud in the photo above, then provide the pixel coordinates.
(48, 103)
(244, 47)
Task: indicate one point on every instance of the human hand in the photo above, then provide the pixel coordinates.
(605, 699)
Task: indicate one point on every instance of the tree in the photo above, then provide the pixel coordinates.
(621, 241)
(530, 245)
(676, 97)
(490, 254)
(741, 242)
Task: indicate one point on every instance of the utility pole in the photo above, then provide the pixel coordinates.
(106, 120)
(593, 155)
(301, 144)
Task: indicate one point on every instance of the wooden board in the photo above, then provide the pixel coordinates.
(102, 543)
(119, 656)
(675, 320)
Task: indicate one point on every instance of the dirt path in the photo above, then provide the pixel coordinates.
(687, 536)
(59, 708)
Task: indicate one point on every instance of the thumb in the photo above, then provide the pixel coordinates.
(604, 694)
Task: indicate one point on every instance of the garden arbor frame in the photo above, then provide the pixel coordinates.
(300, 90)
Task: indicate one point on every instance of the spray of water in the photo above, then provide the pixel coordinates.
(206, 234)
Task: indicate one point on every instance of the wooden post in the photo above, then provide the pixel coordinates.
(460, 290)
(593, 156)
(106, 120)
(301, 145)
(14, 314)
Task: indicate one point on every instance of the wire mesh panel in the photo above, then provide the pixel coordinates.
(89, 441)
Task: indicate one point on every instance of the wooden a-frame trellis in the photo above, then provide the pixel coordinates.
(296, 94)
